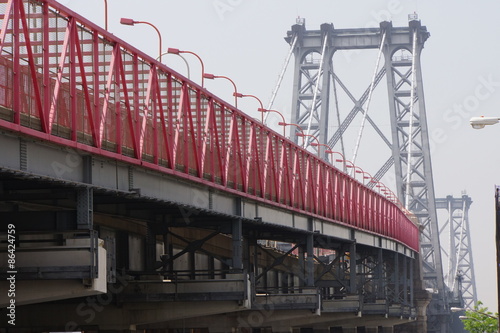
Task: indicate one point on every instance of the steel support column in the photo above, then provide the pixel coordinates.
(237, 233)
(352, 268)
(310, 261)
(150, 247)
(380, 278)
(396, 278)
(84, 209)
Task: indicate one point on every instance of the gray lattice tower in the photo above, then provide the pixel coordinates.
(410, 157)
(460, 277)
(413, 168)
(312, 60)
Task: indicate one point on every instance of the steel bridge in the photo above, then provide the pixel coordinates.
(133, 198)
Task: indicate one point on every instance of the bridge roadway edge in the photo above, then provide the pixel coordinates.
(38, 159)
(63, 164)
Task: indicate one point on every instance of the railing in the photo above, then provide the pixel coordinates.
(80, 246)
(68, 81)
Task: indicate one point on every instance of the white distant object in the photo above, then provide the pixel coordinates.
(455, 309)
(480, 122)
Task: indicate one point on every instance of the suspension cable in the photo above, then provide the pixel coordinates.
(410, 134)
(337, 110)
(372, 86)
(316, 88)
(451, 250)
(280, 78)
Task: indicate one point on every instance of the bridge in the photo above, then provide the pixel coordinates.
(132, 198)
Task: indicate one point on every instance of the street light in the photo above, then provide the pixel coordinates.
(357, 169)
(351, 166)
(239, 95)
(184, 59)
(129, 21)
(309, 135)
(178, 52)
(455, 309)
(334, 160)
(292, 124)
(480, 122)
(367, 177)
(106, 14)
(212, 77)
(275, 111)
(314, 144)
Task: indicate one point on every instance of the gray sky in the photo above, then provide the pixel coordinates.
(243, 39)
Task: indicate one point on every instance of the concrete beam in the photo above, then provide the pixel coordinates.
(101, 312)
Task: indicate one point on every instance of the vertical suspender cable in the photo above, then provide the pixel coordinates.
(280, 78)
(372, 86)
(338, 111)
(410, 134)
(316, 88)
(451, 249)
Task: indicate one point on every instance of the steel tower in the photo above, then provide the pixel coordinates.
(460, 277)
(313, 79)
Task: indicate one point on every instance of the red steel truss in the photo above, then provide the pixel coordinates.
(65, 80)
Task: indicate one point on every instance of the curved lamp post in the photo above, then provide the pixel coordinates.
(106, 14)
(184, 59)
(129, 21)
(334, 160)
(212, 77)
(308, 135)
(275, 111)
(178, 52)
(314, 144)
(347, 166)
(292, 124)
(238, 95)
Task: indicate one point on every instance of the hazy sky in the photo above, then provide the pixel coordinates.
(243, 39)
